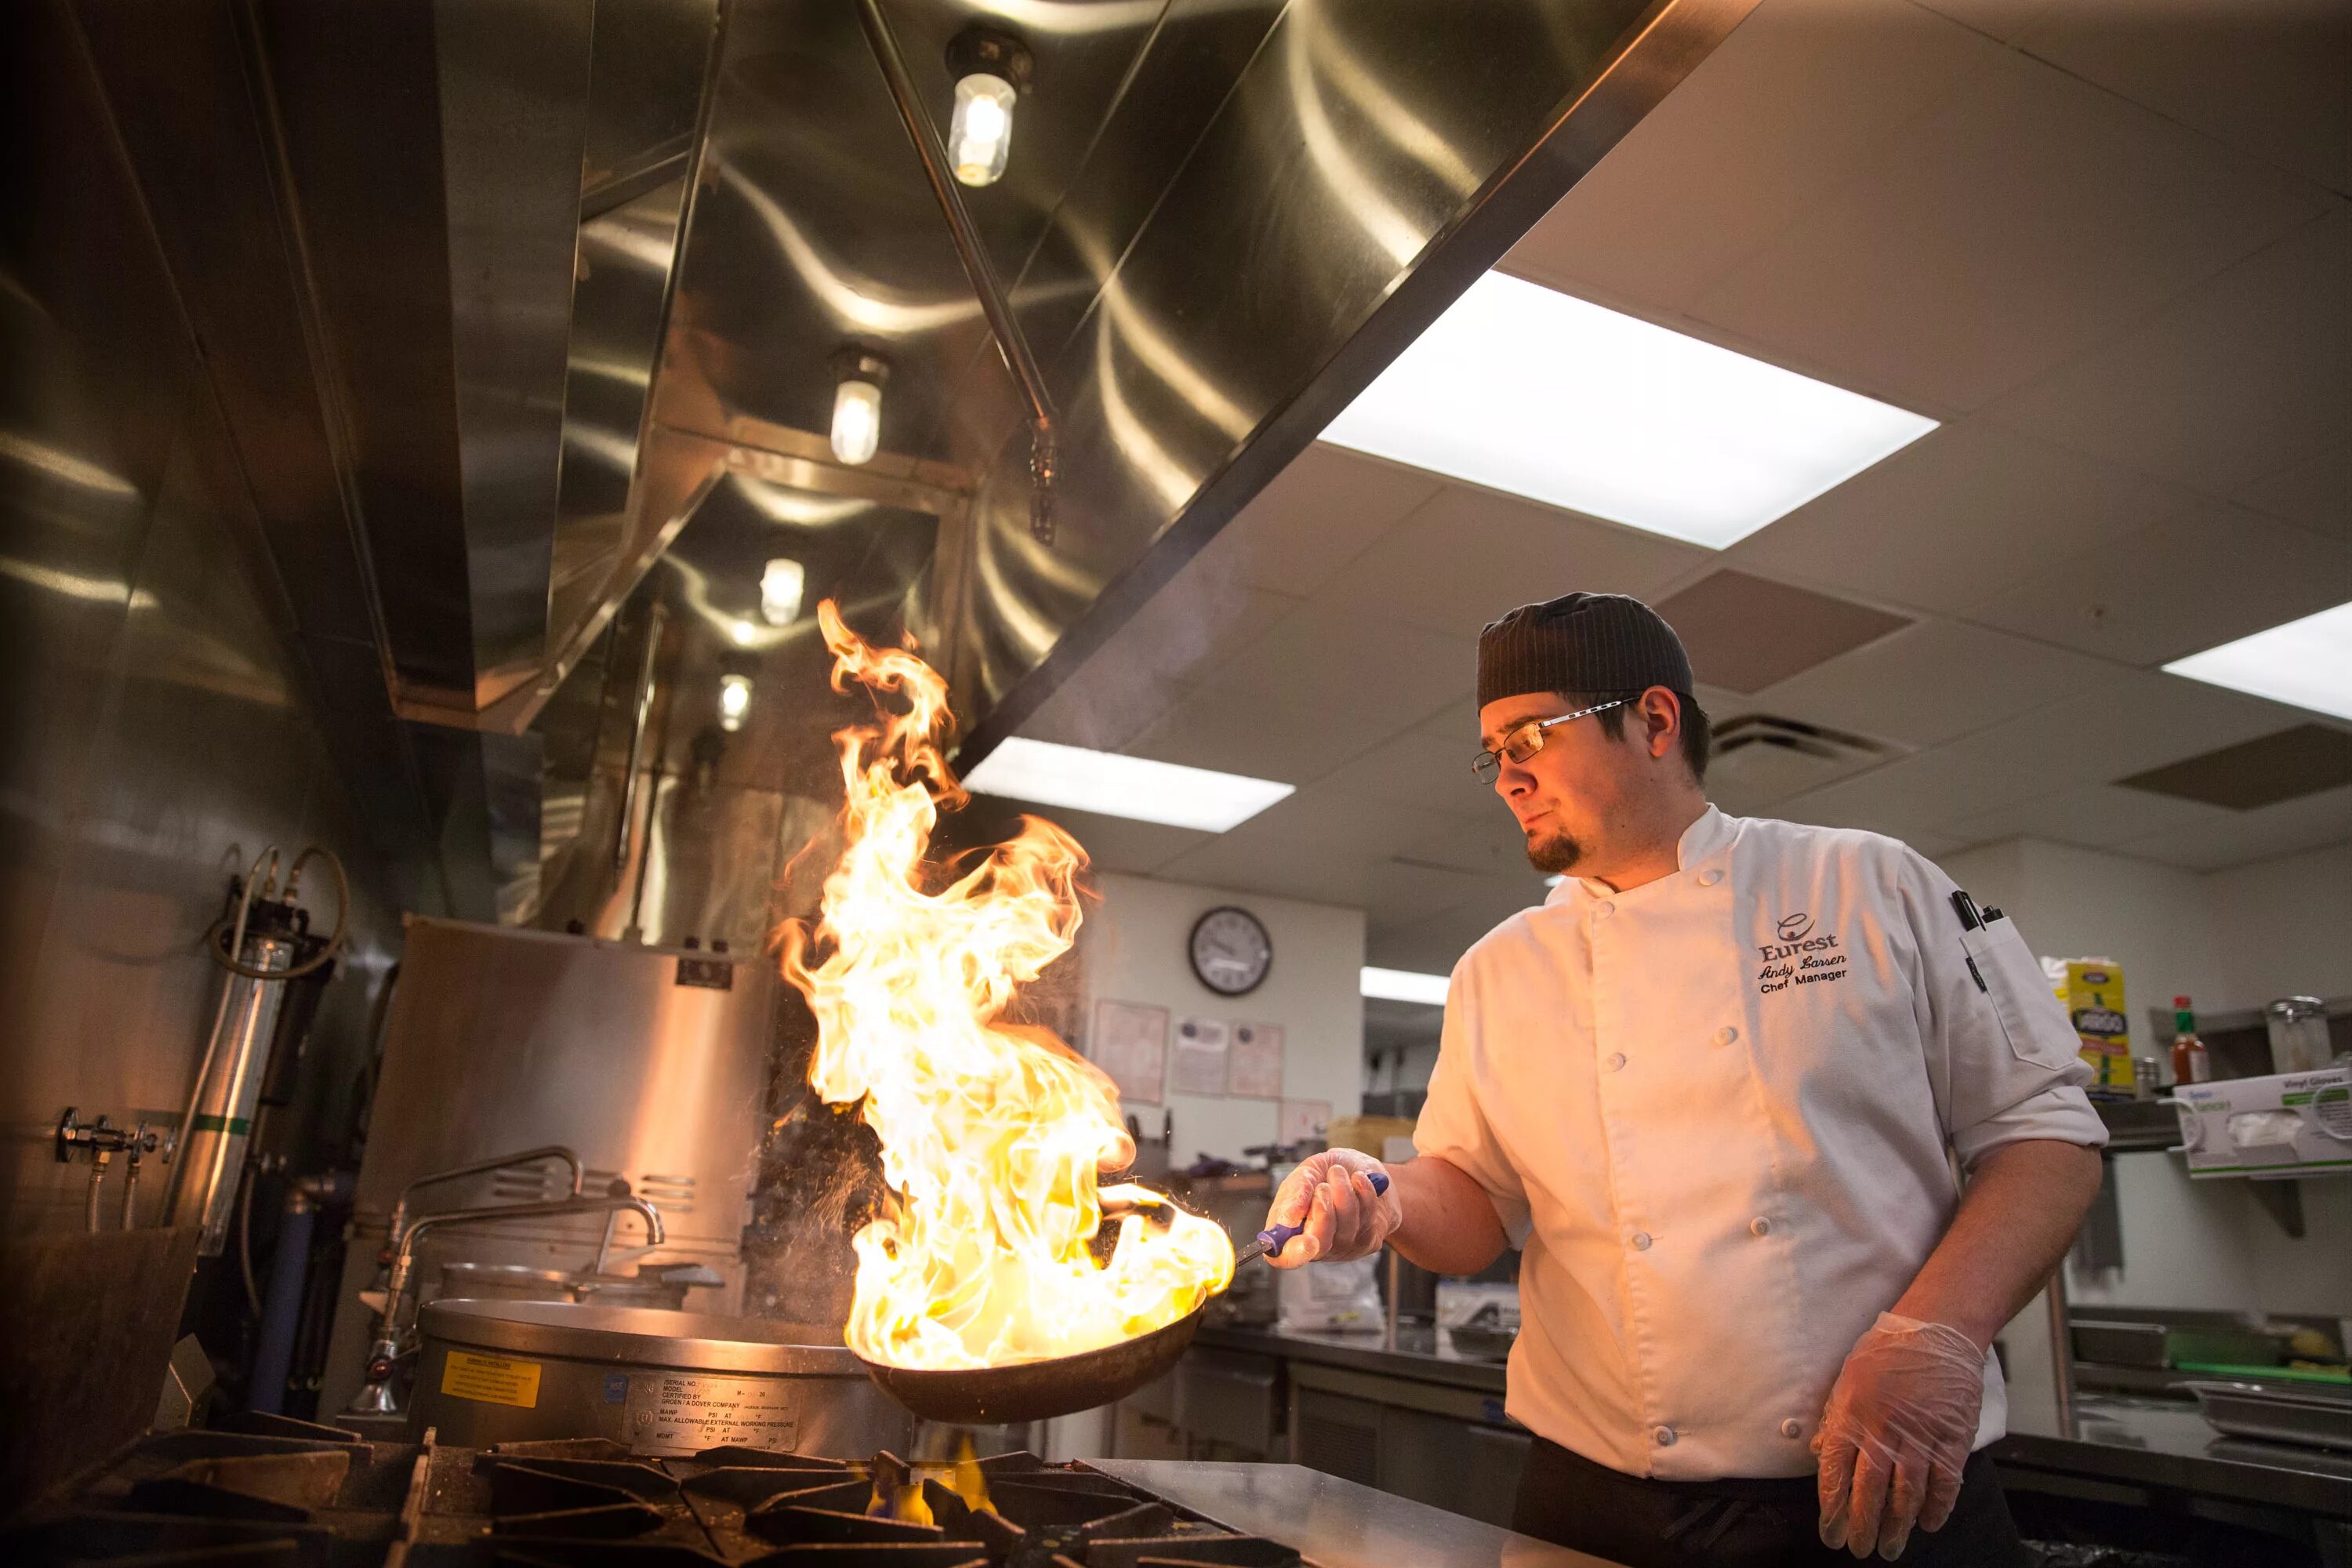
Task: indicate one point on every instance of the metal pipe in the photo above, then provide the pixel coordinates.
(2061, 1351)
(1044, 454)
(1390, 1341)
(89, 1202)
(377, 1398)
(253, 1019)
(654, 616)
(212, 1044)
(130, 1184)
(281, 1312)
(481, 1168)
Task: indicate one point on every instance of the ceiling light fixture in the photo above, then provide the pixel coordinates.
(1134, 787)
(1403, 985)
(857, 405)
(2307, 663)
(990, 68)
(734, 702)
(781, 581)
(1524, 389)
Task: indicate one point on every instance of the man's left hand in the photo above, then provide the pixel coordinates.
(1897, 1433)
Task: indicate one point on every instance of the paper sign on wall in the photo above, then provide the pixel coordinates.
(1130, 1044)
(1255, 1070)
(1302, 1119)
(1201, 1048)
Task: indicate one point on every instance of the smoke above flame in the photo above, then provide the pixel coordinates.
(992, 1132)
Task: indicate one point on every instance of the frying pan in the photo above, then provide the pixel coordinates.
(1060, 1385)
(1037, 1390)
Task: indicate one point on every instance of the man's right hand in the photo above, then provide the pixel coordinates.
(1331, 1196)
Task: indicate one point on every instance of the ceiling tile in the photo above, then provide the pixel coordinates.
(1999, 238)
(1316, 844)
(2206, 576)
(2271, 78)
(2096, 816)
(1433, 945)
(2285, 765)
(1746, 632)
(1930, 683)
(1955, 517)
(1799, 96)
(1129, 682)
(2242, 377)
(1357, 675)
(2315, 491)
(2116, 722)
(1907, 799)
(1489, 845)
(1112, 843)
(1238, 730)
(1427, 768)
(1470, 554)
(2233, 839)
(1316, 517)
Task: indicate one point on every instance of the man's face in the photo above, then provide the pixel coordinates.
(1573, 796)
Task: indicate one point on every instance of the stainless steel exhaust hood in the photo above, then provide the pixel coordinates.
(525, 316)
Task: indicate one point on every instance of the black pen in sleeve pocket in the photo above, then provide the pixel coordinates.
(1965, 908)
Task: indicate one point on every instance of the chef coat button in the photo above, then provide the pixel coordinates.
(1616, 1060)
(1640, 1241)
(1604, 907)
(1665, 1435)
(1792, 1427)
(1725, 1035)
(1759, 1225)
(1709, 878)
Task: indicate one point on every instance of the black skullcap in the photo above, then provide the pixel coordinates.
(1580, 642)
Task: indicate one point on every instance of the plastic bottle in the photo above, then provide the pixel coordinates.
(2191, 1062)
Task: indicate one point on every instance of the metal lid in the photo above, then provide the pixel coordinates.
(640, 1336)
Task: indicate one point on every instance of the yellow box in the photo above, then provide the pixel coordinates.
(2093, 992)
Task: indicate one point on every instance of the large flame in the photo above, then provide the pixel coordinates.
(991, 1131)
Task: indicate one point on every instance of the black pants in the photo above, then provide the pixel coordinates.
(1569, 1499)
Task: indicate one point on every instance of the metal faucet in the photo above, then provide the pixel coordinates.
(478, 1168)
(394, 1340)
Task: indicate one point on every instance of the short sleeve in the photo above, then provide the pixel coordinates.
(2001, 1052)
(1454, 1129)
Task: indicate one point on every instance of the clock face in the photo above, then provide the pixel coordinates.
(1231, 951)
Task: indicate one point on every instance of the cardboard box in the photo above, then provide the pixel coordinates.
(2288, 1124)
(2092, 990)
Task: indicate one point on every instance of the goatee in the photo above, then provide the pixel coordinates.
(1552, 854)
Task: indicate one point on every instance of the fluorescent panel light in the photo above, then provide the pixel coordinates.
(1524, 389)
(1403, 985)
(1134, 787)
(2307, 662)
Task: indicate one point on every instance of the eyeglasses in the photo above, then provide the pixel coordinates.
(1528, 739)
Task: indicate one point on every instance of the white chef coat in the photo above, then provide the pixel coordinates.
(1718, 1112)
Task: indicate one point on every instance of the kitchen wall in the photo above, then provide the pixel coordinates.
(2231, 939)
(1135, 950)
(154, 736)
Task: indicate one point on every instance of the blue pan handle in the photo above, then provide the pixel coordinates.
(1278, 1237)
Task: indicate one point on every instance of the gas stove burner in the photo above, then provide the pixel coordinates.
(283, 1494)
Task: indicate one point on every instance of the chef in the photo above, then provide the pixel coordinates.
(1785, 1132)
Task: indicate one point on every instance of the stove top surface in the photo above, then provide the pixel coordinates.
(273, 1493)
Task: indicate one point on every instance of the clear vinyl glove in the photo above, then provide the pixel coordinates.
(1896, 1433)
(1331, 1196)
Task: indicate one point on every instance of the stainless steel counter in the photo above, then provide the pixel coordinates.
(1337, 1523)
(2162, 1444)
(1422, 1354)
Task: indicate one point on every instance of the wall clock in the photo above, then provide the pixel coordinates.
(1231, 951)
